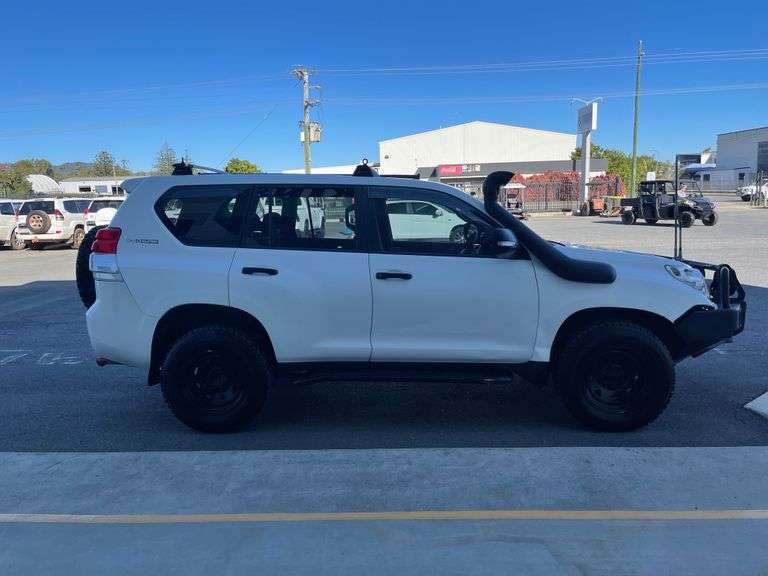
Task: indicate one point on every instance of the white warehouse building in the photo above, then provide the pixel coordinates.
(473, 142)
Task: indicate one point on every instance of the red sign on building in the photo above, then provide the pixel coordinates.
(450, 170)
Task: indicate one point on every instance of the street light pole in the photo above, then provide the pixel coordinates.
(633, 180)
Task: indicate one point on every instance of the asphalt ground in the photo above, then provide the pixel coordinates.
(54, 397)
(97, 476)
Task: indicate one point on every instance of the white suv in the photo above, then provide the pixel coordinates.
(8, 222)
(101, 210)
(44, 221)
(216, 297)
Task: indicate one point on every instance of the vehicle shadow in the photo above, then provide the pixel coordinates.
(54, 398)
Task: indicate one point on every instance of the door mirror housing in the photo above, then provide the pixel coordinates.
(437, 213)
(503, 243)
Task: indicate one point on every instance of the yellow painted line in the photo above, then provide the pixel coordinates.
(385, 516)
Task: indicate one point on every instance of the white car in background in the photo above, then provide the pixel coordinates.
(101, 211)
(412, 220)
(8, 220)
(44, 221)
(746, 193)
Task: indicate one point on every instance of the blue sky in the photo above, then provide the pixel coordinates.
(128, 76)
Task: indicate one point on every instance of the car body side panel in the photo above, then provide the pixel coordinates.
(641, 284)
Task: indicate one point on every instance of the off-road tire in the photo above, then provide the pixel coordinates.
(710, 220)
(190, 374)
(40, 217)
(77, 238)
(15, 243)
(686, 219)
(590, 352)
(628, 217)
(86, 286)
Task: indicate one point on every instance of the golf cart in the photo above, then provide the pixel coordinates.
(657, 200)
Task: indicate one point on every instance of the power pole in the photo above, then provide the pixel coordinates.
(633, 181)
(310, 130)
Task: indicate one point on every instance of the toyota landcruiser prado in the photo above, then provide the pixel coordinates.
(218, 285)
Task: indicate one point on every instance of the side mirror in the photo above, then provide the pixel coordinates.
(437, 213)
(349, 217)
(502, 242)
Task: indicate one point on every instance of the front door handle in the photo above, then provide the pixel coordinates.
(262, 271)
(396, 275)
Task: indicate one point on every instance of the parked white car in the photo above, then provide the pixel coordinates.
(101, 210)
(746, 193)
(8, 222)
(215, 298)
(43, 221)
(412, 220)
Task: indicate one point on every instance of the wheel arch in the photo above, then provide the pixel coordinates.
(663, 328)
(181, 319)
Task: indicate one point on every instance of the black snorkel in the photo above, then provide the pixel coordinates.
(565, 267)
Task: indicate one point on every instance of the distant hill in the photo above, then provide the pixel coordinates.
(69, 169)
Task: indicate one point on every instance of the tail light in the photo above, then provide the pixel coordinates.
(86, 212)
(58, 215)
(106, 241)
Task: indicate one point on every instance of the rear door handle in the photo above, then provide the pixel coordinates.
(262, 271)
(396, 275)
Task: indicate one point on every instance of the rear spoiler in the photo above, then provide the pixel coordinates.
(565, 267)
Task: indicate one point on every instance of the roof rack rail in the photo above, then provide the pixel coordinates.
(184, 169)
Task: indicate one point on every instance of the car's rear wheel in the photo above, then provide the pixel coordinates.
(77, 238)
(615, 376)
(86, 286)
(628, 217)
(17, 243)
(215, 379)
(710, 219)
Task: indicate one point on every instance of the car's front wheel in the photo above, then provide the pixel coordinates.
(710, 219)
(215, 379)
(615, 375)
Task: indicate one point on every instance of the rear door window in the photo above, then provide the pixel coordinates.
(204, 215)
(6, 209)
(302, 218)
(44, 205)
(76, 206)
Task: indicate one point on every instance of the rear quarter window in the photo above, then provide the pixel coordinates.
(204, 215)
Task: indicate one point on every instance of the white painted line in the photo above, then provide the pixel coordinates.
(759, 405)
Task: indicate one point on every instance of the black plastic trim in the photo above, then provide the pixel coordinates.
(565, 267)
(702, 328)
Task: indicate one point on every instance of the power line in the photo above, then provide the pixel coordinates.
(561, 64)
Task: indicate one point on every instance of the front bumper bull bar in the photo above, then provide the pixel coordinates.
(703, 327)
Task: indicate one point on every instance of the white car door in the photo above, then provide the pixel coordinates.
(438, 300)
(7, 220)
(311, 294)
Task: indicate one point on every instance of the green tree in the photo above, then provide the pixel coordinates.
(104, 164)
(164, 161)
(13, 183)
(239, 166)
(34, 166)
(620, 163)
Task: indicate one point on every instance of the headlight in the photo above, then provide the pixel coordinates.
(689, 276)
